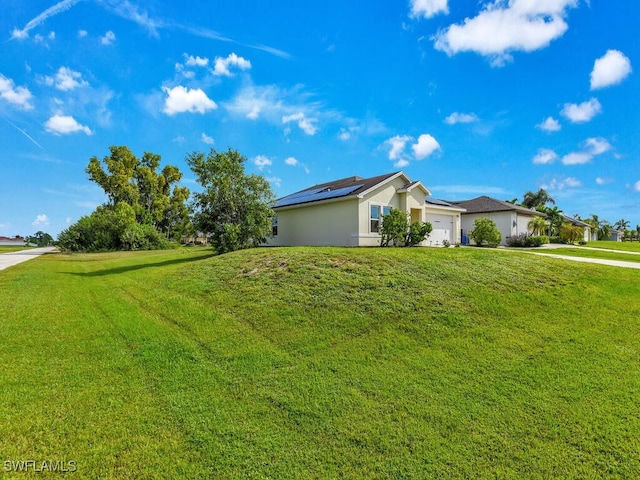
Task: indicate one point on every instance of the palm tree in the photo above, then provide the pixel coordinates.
(622, 224)
(554, 216)
(537, 225)
(540, 198)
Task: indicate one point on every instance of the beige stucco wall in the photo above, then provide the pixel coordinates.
(331, 224)
(387, 196)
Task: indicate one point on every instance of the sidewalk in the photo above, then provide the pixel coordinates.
(14, 258)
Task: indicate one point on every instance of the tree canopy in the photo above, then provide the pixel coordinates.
(537, 199)
(144, 207)
(234, 209)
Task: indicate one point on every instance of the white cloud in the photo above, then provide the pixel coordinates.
(583, 112)
(550, 124)
(307, 125)
(577, 158)
(597, 146)
(275, 180)
(222, 65)
(636, 186)
(66, 79)
(291, 161)
(18, 96)
(344, 134)
(501, 27)
(558, 184)
(206, 139)
(610, 69)
(180, 99)
(108, 38)
(41, 221)
(456, 117)
(604, 180)
(397, 146)
(425, 146)
(192, 61)
(428, 8)
(261, 161)
(64, 125)
(82, 33)
(545, 156)
(67, 220)
(41, 18)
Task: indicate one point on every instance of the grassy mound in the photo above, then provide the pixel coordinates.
(322, 363)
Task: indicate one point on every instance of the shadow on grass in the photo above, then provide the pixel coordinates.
(140, 266)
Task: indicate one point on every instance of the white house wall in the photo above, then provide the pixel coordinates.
(330, 224)
(503, 221)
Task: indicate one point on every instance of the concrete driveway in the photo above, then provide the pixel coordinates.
(13, 258)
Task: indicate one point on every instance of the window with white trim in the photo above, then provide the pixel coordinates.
(376, 212)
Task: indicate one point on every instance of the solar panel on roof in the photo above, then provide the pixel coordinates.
(315, 194)
(436, 201)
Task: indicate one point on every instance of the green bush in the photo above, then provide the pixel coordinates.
(485, 232)
(536, 241)
(557, 239)
(517, 240)
(396, 230)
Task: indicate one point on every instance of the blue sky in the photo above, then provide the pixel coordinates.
(471, 97)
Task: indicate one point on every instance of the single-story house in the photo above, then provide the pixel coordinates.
(616, 236)
(510, 219)
(349, 211)
(579, 223)
(15, 241)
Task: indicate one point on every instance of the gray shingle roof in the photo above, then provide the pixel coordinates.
(486, 204)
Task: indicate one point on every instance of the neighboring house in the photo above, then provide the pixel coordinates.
(578, 223)
(197, 239)
(616, 236)
(16, 241)
(349, 211)
(510, 219)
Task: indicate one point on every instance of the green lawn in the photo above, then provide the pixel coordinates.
(626, 246)
(321, 363)
(11, 248)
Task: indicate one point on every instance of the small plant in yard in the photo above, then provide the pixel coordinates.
(485, 232)
(446, 243)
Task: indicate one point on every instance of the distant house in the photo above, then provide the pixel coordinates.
(578, 223)
(509, 218)
(616, 236)
(349, 211)
(15, 241)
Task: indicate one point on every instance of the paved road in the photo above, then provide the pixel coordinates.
(13, 258)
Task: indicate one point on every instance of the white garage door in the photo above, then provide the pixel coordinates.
(442, 229)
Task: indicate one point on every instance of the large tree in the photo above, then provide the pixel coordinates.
(622, 224)
(537, 199)
(155, 196)
(234, 208)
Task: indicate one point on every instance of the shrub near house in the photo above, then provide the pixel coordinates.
(485, 233)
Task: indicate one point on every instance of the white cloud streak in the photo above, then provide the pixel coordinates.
(456, 117)
(42, 17)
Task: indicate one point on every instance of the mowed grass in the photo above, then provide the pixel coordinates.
(12, 248)
(321, 363)
(624, 246)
